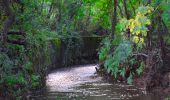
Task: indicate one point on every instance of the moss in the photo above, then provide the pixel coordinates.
(57, 43)
(56, 46)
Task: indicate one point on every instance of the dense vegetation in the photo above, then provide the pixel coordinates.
(135, 40)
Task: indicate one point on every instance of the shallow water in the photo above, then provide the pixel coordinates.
(82, 83)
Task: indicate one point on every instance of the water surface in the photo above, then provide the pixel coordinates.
(82, 83)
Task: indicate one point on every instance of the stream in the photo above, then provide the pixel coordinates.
(82, 83)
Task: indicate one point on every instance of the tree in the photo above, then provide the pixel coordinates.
(8, 23)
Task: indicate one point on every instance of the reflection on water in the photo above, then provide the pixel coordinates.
(82, 83)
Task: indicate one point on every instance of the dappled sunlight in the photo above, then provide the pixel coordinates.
(84, 49)
(64, 80)
(83, 82)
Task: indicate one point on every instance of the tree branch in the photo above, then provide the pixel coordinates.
(19, 42)
(125, 8)
(16, 33)
(140, 54)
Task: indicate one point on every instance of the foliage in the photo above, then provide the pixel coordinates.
(115, 62)
(40, 22)
(6, 63)
(121, 53)
(22, 67)
(12, 80)
(99, 12)
(163, 7)
(141, 27)
(35, 81)
(117, 54)
(104, 50)
(138, 25)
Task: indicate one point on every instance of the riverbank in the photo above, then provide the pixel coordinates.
(160, 83)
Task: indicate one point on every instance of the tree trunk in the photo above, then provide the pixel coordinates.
(160, 38)
(125, 8)
(121, 12)
(114, 18)
(8, 23)
(127, 16)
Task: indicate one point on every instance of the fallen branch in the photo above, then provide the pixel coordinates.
(16, 33)
(140, 54)
(19, 42)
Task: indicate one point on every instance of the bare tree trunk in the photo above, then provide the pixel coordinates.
(121, 13)
(161, 43)
(125, 8)
(127, 16)
(8, 23)
(149, 39)
(114, 18)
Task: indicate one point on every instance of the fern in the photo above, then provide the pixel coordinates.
(140, 69)
(130, 79)
(121, 53)
(104, 50)
(122, 72)
(5, 62)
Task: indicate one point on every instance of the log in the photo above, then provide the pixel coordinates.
(19, 42)
(16, 33)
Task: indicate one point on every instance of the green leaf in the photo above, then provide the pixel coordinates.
(28, 65)
(140, 69)
(123, 72)
(130, 79)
